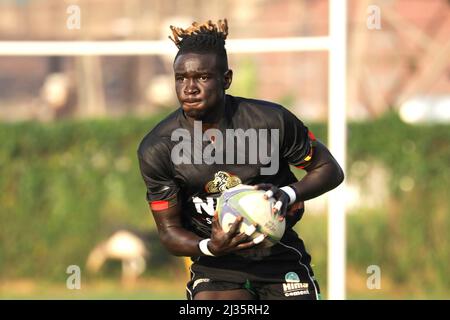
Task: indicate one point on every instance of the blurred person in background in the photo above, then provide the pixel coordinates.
(57, 97)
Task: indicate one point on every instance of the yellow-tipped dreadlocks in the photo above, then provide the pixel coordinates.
(204, 39)
(219, 30)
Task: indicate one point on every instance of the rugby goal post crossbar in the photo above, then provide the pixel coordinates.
(334, 43)
(154, 47)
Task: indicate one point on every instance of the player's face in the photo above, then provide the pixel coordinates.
(199, 84)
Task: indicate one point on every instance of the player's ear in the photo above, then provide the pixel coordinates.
(228, 78)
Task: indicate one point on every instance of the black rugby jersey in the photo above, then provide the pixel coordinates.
(180, 165)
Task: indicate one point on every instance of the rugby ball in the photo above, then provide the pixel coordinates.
(245, 201)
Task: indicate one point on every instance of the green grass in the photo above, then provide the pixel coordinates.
(160, 289)
(146, 289)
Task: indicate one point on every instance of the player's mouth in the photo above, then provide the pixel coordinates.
(192, 103)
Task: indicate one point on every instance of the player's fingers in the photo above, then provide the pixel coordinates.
(215, 220)
(246, 245)
(240, 238)
(252, 243)
(235, 226)
(270, 193)
(263, 186)
(259, 239)
(277, 207)
(282, 213)
(249, 230)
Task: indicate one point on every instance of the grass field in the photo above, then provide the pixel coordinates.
(147, 289)
(174, 289)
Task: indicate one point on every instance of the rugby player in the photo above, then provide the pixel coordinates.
(182, 191)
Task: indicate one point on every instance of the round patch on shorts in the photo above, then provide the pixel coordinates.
(292, 277)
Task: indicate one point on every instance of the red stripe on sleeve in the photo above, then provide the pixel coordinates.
(159, 205)
(311, 136)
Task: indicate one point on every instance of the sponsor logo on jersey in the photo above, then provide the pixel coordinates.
(205, 205)
(292, 289)
(293, 286)
(222, 181)
(292, 277)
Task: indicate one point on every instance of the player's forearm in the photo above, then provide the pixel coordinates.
(180, 242)
(319, 181)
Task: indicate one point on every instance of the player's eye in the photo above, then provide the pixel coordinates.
(204, 77)
(179, 78)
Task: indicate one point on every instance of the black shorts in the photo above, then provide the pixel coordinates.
(285, 274)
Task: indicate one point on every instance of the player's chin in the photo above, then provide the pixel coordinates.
(195, 112)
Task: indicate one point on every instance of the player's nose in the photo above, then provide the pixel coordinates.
(191, 87)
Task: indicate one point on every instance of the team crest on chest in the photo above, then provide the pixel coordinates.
(222, 181)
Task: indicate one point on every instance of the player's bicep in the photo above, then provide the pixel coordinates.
(162, 189)
(167, 218)
(320, 156)
(178, 240)
(297, 141)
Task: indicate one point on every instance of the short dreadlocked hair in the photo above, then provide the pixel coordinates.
(203, 38)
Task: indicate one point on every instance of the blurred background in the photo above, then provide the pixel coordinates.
(71, 195)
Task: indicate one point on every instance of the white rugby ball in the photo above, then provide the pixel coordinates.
(249, 203)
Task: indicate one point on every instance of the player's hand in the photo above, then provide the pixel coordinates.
(281, 198)
(227, 242)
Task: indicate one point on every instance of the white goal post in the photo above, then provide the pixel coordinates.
(335, 44)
